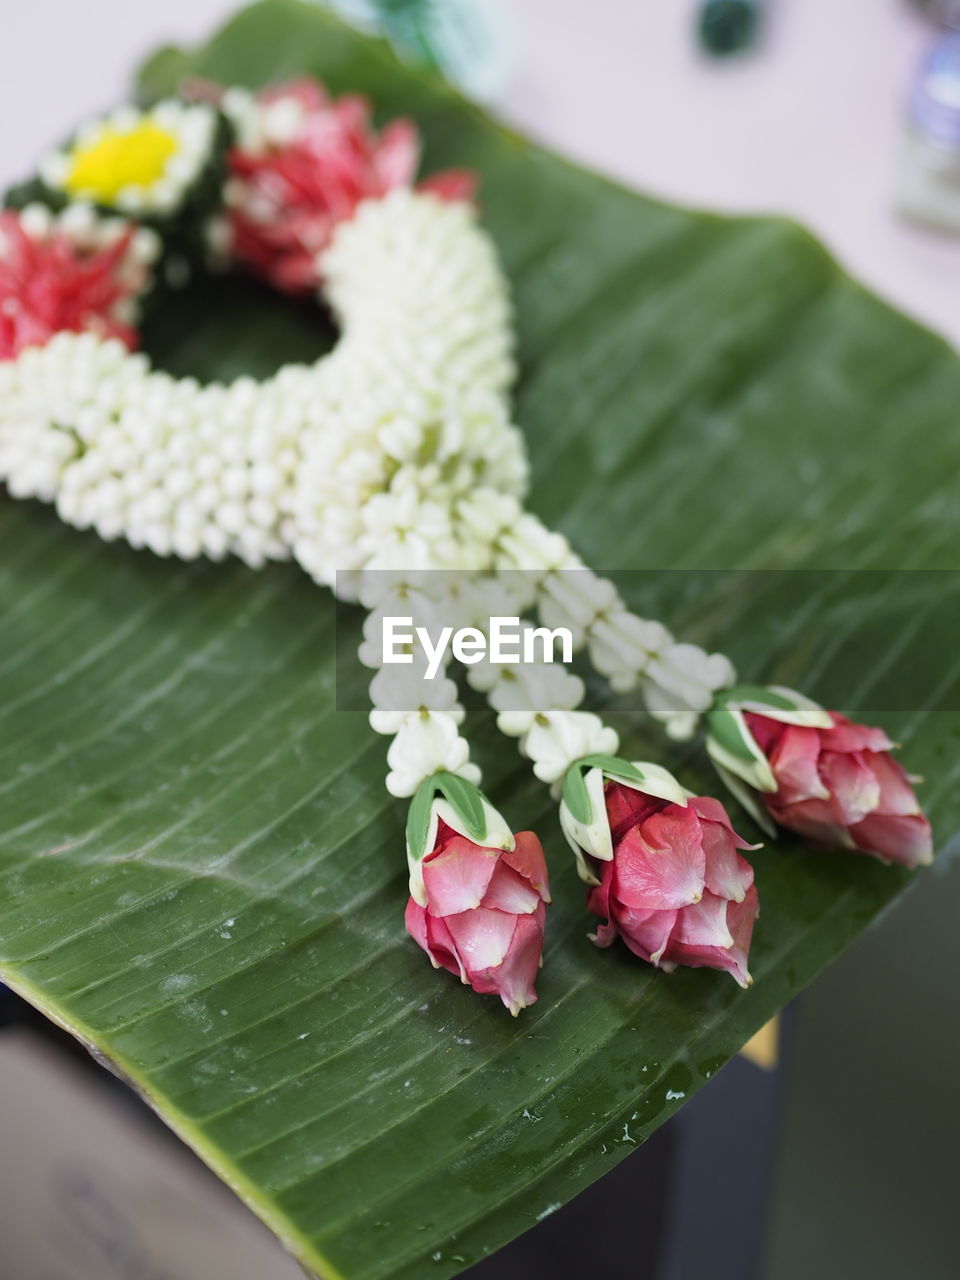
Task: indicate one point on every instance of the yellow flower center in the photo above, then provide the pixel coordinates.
(114, 160)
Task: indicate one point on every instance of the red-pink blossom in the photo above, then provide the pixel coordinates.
(841, 787)
(676, 890)
(484, 913)
(288, 193)
(48, 283)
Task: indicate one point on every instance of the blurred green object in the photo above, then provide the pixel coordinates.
(728, 26)
(467, 41)
(409, 24)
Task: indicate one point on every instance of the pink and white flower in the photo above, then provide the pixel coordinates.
(664, 867)
(817, 773)
(301, 165)
(74, 271)
(478, 908)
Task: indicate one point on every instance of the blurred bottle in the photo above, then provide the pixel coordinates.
(946, 12)
(727, 26)
(930, 171)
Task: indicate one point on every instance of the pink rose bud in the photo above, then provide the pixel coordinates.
(664, 866)
(817, 773)
(477, 892)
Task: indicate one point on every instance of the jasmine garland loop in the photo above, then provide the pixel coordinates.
(396, 451)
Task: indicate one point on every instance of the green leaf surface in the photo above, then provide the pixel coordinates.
(200, 871)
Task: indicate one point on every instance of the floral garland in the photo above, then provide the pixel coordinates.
(391, 458)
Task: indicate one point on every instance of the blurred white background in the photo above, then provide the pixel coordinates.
(809, 125)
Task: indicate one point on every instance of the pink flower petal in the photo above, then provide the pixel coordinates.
(732, 959)
(398, 155)
(646, 933)
(442, 948)
(508, 891)
(605, 935)
(309, 93)
(598, 897)
(813, 819)
(767, 732)
(482, 937)
(741, 917)
(627, 808)
(661, 865)
(451, 185)
(457, 875)
(513, 979)
(433, 936)
(526, 857)
(415, 919)
(794, 762)
(727, 873)
(704, 924)
(853, 786)
(895, 838)
(896, 794)
(846, 736)
(710, 808)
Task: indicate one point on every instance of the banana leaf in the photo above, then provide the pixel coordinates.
(201, 875)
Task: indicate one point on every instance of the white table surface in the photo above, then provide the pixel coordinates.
(809, 126)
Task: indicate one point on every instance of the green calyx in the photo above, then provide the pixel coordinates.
(732, 746)
(725, 726)
(774, 701)
(575, 794)
(470, 812)
(446, 797)
(776, 698)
